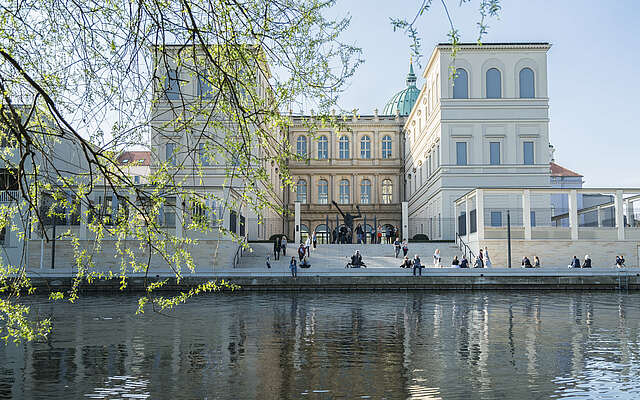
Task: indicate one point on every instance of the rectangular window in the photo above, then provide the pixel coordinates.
(496, 218)
(528, 153)
(173, 84)
(533, 218)
(205, 90)
(170, 156)
(204, 160)
(323, 192)
(494, 153)
(365, 149)
(461, 153)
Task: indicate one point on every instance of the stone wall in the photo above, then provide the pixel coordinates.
(207, 255)
(558, 253)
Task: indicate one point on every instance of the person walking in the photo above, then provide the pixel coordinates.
(396, 245)
(405, 247)
(283, 246)
(436, 258)
(587, 262)
(481, 258)
(417, 264)
(314, 240)
(293, 266)
(276, 249)
(487, 260)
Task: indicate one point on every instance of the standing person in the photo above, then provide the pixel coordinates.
(587, 262)
(293, 266)
(388, 233)
(405, 247)
(283, 245)
(379, 234)
(417, 264)
(315, 240)
(307, 246)
(301, 251)
(481, 258)
(396, 245)
(276, 249)
(487, 260)
(436, 258)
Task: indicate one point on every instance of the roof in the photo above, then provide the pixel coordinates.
(140, 157)
(558, 170)
(403, 101)
(499, 44)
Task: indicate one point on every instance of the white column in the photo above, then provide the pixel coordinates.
(455, 223)
(405, 220)
(599, 211)
(526, 213)
(82, 234)
(619, 214)
(480, 213)
(467, 220)
(573, 214)
(297, 222)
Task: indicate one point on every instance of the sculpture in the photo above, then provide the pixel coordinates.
(348, 218)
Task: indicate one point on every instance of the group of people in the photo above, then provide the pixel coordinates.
(526, 262)
(344, 235)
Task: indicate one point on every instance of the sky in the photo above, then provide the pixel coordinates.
(594, 90)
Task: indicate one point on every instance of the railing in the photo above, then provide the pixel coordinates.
(465, 247)
(238, 255)
(7, 196)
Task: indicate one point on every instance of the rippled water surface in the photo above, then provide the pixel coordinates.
(400, 345)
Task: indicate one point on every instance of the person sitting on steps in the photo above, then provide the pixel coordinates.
(464, 263)
(406, 263)
(356, 260)
(587, 262)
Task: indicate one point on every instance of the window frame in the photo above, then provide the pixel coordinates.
(531, 87)
(466, 84)
(345, 191)
(323, 195)
(343, 146)
(365, 147)
(466, 153)
(301, 191)
(301, 146)
(488, 94)
(365, 191)
(524, 152)
(491, 153)
(387, 147)
(497, 222)
(387, 191)
(323, 148)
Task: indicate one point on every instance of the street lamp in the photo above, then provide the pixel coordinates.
(509, 239)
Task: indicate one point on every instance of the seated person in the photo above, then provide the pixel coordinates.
(575, 263)
(526, 263)
(305, 263)
(464, 263)
(620, 261)
(356, 259)
(406, 263)
(587, 262)
(455, 263)
(536, 262)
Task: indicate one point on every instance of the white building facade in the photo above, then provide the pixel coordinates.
(485, 126)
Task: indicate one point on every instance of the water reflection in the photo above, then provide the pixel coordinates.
(485, 345)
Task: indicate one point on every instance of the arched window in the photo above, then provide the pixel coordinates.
(365, 191)
(323, 191)
(386, 147)
(387, 191)
(172, 83)
(323, 148)
(304, 233)
(345, 196)
(301, 146)
(461, 84)
(365, 147)
(344, 148)
(494, 84)
(301, 191)
(527, 84)
(323, 234)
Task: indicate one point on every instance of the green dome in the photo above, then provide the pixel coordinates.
(404, 100)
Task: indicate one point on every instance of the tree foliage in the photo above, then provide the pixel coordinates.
(101, 76)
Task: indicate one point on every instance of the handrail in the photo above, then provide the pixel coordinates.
(238, 255)
(465, 247)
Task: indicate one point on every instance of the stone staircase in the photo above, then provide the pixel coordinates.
(335, 256)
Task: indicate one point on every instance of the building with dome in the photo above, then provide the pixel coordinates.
(402, 102)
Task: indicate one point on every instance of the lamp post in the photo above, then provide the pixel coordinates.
(509, 239)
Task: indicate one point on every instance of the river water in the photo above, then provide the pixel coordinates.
(345, 345)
